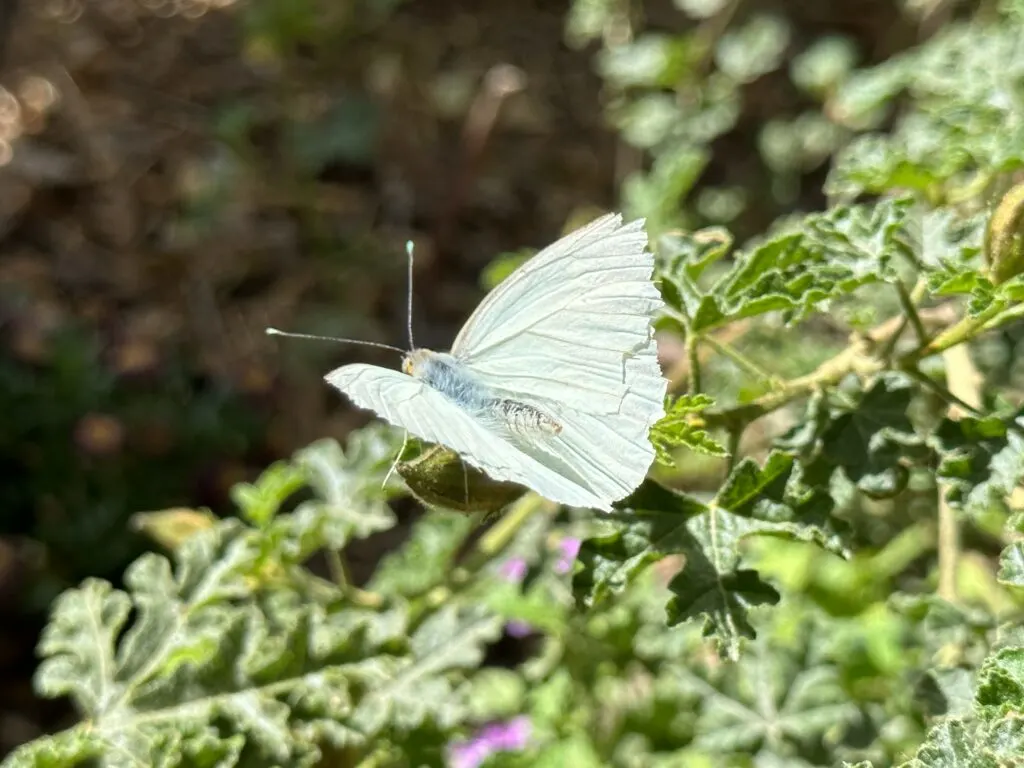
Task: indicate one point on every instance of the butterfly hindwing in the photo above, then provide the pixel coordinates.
(608, 454)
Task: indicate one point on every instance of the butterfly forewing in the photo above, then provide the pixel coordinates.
(411, 404)
(561, 327)
(570, 333)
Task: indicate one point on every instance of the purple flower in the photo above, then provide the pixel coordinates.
(510, 736)
(467, 754)
(517, 628)
(570, 548)
(513, 569)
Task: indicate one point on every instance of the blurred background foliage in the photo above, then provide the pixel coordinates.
(178, 174)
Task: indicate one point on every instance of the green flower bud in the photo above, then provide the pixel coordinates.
(438, 477)
(170, 528)
(1004, 237)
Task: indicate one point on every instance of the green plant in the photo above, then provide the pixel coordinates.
(847, 589)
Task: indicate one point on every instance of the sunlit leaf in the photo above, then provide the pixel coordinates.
(680, 429)
(982, 459)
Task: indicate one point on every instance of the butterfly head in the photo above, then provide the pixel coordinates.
(416, 362)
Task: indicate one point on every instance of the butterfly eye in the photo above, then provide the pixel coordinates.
(407, 366)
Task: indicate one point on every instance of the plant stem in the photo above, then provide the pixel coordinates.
(363, 598)
(949, 543)
(830, 372)
(741, 360)
(735, 435)
(854, 359)
(340, 576)
(692, 343)
(490, 544)
(502, 532)
(1013, 312)
(934, 386)
(964, 330)
(907, 303)
(336, 565)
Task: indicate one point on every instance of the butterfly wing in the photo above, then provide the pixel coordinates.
(409, 403)
(606, 454)
(570, 333)
(563, 325)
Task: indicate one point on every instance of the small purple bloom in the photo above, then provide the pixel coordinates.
(513, 569)
(517, 628)
(510, 736)
(570, 548)
(468, 754)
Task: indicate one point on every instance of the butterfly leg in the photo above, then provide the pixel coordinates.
(398, 457)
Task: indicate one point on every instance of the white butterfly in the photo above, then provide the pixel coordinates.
(553, 382)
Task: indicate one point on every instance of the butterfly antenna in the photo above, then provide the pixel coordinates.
(276, 332)
(394, 464)
(408, 314)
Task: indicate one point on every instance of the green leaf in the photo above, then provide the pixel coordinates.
(874, 164)
(981, 458)
(225, 657)
(824, 64)
(1011, 565)
(795, 272)
(495, 693)
(350, 502)
(577, 750)
(984, 295)
(406, 691)
(650, 60)
(259, 502)
(1001, 682)
(754, 49)
(587, 20)
(713, 586)
(871, 438)
(958, 122)
(952, 744)
(775, 698)
(426, 558)
(657, 193)
(195, 652)
(993, 735)
(682, 259)
(621, 549)
(649, 120)
(282, 674)
(79, 646)
(953, 281)
(68, 748)
(944, 238)
(678, 430)
(865, 239)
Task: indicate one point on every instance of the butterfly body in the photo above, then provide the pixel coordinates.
(453, 379)
(553, 382)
